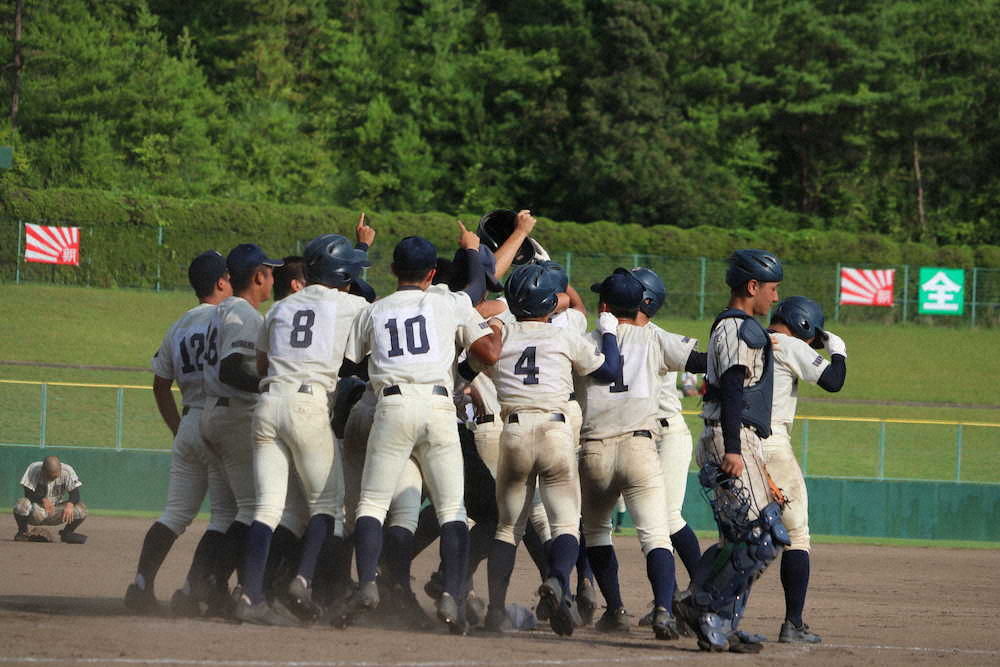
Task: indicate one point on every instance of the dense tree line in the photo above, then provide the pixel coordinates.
(789, 114)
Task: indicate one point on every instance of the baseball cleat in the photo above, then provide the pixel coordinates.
(260, 614)
(497, 621)
(647, 619)
(792, 634)
(34, 535)
(184, 605)
(561, 621)
(664, 625)
(364, 600)
(586, 601)
(141, 600)
(613, 621)
(402, 606)
(475, 609)
(449, 613)
(741, 642)
(434, 586)
(72, 537)
(300, 600)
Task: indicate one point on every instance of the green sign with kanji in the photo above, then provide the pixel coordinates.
(942, 291)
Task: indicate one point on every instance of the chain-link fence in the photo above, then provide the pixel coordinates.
(156, 257)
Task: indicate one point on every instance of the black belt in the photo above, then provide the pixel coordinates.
(303, 389)
(572, 395)
(394, 390)
(485, 419)
(222, 402)
(554, 417)
(712, 422)
(664, 422)
(642, 434)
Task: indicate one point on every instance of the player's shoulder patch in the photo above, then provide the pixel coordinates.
(484, 325)
(686, 339)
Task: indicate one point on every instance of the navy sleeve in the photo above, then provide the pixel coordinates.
(74, 496)
(731, 403)
(361, 246)
(697, 362)
(33, 496)
(467, 371)
(475, 284)
(833, 377)
(609, 371)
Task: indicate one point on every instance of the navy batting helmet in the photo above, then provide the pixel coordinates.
(804, 317)
(532, 291)
(549, 265)
(496, 227)
(747, 265)
(331, 260)
(654, 292)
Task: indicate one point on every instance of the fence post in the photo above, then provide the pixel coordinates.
(119, 417)
(20, 246)
(906, 289)
(701, 288)
(43, 414)
(805, 446)
(635, 260)
(881, 450)
(836, 299)
(975, 276)
(569, 265)
(159, 252)
(958, 453)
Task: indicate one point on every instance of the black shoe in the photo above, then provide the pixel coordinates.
(261, 614)
(797, 634)
(299, 600)
(741, 642)
(475, 610)
(664, 625)
(586, 601)
(613, 621)
(561, 621)
(434, 586)
(497, 621)
(71, 537)
(402, 606)
(365, 599)
(184, 605)
(449, 613)
(141, 600)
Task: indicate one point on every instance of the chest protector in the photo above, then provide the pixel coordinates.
(757, 398)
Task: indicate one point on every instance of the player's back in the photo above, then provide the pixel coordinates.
(537, 363)
(183, 355)
(234, 329)
(305, 336)
(794, 359)
(670, 402)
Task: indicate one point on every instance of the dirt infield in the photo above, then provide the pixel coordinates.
(61, 605)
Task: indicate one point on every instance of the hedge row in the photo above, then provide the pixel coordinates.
(191, 225)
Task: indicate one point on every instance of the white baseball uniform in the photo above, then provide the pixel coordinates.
(534, 378)
(794, 360)
(226, 422)
(35, 479)
(618, 454)
(304, 336)
(411, 336)
(193, 468)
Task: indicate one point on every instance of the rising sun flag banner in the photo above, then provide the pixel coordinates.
(866, 287)
(52, 245)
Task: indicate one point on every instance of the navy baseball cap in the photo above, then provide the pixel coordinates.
(621, 289)
(414, 253)
(205, 270)
(246, 257)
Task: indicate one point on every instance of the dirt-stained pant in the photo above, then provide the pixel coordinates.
(674, 447)
(404, 510)
(227, 429)
(487, 436)
(37, 516)
(625, 465)
(537, 447)
(416, 422)
(194, 470)
(754, 476)
(292, 427)
(779, 457)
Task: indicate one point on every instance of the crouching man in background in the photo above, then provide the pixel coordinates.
(51, 498)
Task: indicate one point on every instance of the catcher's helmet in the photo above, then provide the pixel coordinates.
(496, 226)
(654, 292)
(532, 290)
(331, 260)
(747, 265)
(804, 317)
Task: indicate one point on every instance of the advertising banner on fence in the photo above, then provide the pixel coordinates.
(52, 245)
(942, 291)
(866, 287)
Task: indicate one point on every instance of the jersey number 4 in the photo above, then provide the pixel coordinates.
(525, 366)
(415, 330)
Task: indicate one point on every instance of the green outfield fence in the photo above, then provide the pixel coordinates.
(155, 257)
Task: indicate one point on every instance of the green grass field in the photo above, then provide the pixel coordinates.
(902, 363)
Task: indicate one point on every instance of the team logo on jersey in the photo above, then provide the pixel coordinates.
(817, 361)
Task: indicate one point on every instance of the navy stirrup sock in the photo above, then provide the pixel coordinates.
(398, 553)
(258, 542)
(318, 531)
(455, 557)
(795, 581)
(605, 564)
(498, 571)
(155, 548)
(562, 556)
(685, 544)
(367, 547)
(660, 570)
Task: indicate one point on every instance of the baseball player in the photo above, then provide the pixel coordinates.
(745, 502)
(797, 325)
(674, 443)
(231, 390)
(534, 378)
(411, 337)
(300, 349)
(193, 470)
(45, 483)
(619, 457)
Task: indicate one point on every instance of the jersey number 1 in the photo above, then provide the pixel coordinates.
(415, 329)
